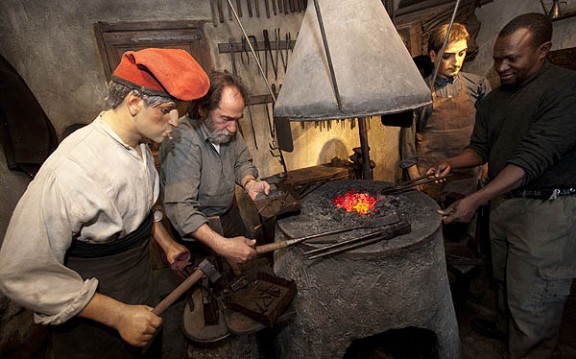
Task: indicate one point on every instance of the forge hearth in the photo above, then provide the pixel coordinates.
(394, 284)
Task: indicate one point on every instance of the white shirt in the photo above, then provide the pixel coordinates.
(93, 188)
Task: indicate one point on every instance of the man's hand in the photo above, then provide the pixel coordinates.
(414, 174)
(254, 186)
(237, 249)
(440, 171)
(171, 248)
(174, 251)
(137, 325)
(460, 211)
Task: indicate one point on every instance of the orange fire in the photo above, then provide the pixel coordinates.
(354, 201)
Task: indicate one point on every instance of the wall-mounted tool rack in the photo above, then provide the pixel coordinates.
(225, 47)
(254, 8)
(259, 100)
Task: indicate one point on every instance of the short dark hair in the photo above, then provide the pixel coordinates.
(117, 92)
(538, 24)
(457, 33)
(211, 101)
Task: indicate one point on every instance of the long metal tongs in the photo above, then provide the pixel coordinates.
(389, 232)
(409, 185)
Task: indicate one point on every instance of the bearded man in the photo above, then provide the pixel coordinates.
(202, 165)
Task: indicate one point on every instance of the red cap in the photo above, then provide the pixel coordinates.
(164, 72)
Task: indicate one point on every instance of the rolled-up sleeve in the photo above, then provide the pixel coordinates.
(181, 165)
(32, 272)
(243, 165)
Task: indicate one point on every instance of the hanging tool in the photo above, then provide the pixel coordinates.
(282, 57)
(274, 7)
(220, 10)
(254, 42)
(277, 39)
(239, 7)
(283, 124)
(257, 7)
(281, 6)
(267, 6)
(390, 232)
(213, 9)
(232, 57)
(249, 4)
(230, 16)
(252, 127)
(268, 52)
(243, 51)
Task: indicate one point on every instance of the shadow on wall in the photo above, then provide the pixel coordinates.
(333, 148)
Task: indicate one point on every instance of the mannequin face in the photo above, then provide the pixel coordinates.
(452, 59)
(222, 122)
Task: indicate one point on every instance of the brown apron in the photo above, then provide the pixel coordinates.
(446, 133)
(123, 271)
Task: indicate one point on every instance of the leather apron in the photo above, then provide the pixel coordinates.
(446, 133)
(123, 270)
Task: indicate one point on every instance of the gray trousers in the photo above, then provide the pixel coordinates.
(533, 245)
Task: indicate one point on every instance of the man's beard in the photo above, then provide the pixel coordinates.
(216, 136)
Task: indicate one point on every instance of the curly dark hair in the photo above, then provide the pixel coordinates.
(538, 24)
(211, 101)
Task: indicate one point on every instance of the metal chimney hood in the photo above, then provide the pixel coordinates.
(349, 62)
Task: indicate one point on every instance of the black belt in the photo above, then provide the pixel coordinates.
(550, 194)
(131, 240)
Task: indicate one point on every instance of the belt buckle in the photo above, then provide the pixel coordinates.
(554, 194)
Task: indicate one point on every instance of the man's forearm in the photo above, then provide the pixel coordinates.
(103, 309)
(509, 178)
(466, 159)
(246, 179)
(208, 236)
(136, 324)
(413, 172)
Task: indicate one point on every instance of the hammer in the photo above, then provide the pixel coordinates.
(205, 268)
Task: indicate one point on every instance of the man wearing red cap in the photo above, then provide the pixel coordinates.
(76, 249)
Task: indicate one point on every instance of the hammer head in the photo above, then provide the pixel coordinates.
(209, 271)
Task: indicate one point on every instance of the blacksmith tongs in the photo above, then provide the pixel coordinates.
(391, 231)
(409, 185)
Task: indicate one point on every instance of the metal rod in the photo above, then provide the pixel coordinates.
(253, 52)
(344, 243)
(282, 162)
(443, 48)
(363, 132)
(328, 57)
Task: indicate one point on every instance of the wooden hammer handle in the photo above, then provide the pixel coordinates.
(271, 247)
(179, 291)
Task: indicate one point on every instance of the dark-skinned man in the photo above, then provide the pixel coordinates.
(525, 130)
